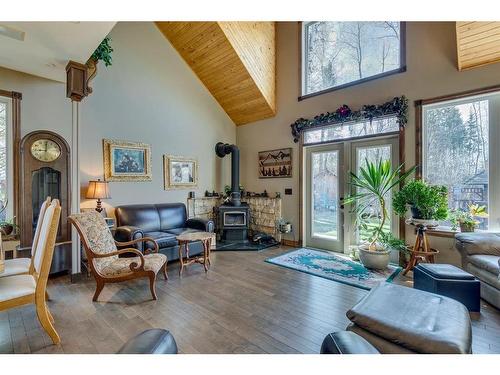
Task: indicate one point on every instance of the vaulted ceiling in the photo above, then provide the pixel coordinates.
(234, 60)
(478, 43)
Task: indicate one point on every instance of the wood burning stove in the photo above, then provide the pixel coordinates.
(234, 216)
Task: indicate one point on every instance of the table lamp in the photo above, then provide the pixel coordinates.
(98, 190)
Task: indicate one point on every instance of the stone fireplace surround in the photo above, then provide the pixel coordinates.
(264, 211)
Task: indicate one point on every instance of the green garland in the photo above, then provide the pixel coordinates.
(397, 106)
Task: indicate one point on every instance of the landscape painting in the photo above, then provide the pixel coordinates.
(179, 172)
(275, 163)
(127, 161)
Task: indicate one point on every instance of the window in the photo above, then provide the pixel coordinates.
(337, 54)
(4, 189)
(330, 133)
(461, 147)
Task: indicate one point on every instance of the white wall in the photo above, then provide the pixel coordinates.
(432, 71)
(151, 95)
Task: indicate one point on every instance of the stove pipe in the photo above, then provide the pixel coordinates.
(223, 149)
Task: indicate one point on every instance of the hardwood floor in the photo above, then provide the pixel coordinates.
(243, 305)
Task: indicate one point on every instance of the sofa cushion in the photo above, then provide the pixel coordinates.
(484, 276)
(445, 271)
(163, 239)
(486, 262)
(346, 342)
(144, 216)
(479, 243)
(172, 215)
(179, 231)
(420, 321)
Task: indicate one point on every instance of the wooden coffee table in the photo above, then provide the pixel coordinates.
(184, 239)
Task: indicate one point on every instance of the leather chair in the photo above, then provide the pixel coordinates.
(151, 341)
(481, 257)
(346, 342)
(161, 222)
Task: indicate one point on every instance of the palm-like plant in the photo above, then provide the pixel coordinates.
(372, 186)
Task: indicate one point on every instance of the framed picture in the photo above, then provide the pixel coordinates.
(126, 161)
(275, 163)
(179, 172)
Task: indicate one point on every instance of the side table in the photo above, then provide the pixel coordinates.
(185, 239)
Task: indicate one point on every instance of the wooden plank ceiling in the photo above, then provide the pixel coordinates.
(478, 43)
(234, 60)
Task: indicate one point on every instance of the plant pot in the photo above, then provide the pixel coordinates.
(6, 229)
(374, 259)
(415, 213)
(465, 228)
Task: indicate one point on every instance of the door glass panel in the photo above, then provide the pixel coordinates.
(324, 208)
(373, 154)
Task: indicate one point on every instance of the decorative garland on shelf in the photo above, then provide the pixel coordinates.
(397, 106)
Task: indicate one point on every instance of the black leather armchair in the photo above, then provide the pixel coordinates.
(162, 222)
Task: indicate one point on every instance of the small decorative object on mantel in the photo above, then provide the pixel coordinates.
(180, 172)
(397, 106)
(275, 163)
(126, 161)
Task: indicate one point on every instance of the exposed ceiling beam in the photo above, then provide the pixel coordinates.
(234, 60)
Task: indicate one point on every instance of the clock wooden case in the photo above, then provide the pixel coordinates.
(45, 171)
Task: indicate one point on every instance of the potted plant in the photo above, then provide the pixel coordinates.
(284, 226)
(466, 220)
(373, 185)
(428, 203)
(8, 226)
(102, 52)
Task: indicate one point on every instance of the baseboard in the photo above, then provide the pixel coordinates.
(291, 243)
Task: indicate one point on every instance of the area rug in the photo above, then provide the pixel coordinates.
(334, 267)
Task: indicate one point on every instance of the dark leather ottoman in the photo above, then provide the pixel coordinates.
(346, 342)
(151, 341)
(398, 319)
(449, 281)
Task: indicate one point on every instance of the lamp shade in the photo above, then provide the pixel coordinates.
(98, 190)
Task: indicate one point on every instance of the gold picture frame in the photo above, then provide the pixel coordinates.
(179, 172)
(126, 161)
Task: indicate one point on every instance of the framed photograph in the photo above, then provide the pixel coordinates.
(126, 161)
(275, 163)
(179, 172)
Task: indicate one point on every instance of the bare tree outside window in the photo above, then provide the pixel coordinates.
(3, 157)
(337, 53)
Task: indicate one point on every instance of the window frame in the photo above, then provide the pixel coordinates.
(419, 154)
(9, 172)
(302, 64)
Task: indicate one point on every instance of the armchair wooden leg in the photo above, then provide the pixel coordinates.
(47, 297)
(51, 318)
(164, 268)
(43, 317)
(98, 290)
(152, 280)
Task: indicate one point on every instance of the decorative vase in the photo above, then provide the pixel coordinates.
(465, 228)
(374, 259)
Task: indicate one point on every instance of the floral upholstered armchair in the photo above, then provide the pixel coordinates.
(103, 254)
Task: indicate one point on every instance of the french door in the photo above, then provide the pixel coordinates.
(327, 224)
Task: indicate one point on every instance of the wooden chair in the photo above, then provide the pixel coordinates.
(18, 290)
(102, 254)
(20, 266)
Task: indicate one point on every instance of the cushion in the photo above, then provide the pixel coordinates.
(98, 236)
(163, 239)
(16, 266)
(420, 321)
(121, 266)
(179, 231)
(484, 276)
(445, 271)
(479, 243)
(346, 342)
(172, 215)
(144, 216)
(16, 286)
(486, 262)
(151, 341)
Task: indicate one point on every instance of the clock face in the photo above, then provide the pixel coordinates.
(45, 150)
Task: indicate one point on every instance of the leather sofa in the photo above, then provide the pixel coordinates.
(346, 342)
(481, 257)
(161, 222)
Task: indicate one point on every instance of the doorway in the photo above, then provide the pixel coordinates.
(328, 225)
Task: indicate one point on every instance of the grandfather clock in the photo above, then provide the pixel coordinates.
(45, 171)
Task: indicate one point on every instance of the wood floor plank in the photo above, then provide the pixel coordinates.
(242, 305)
